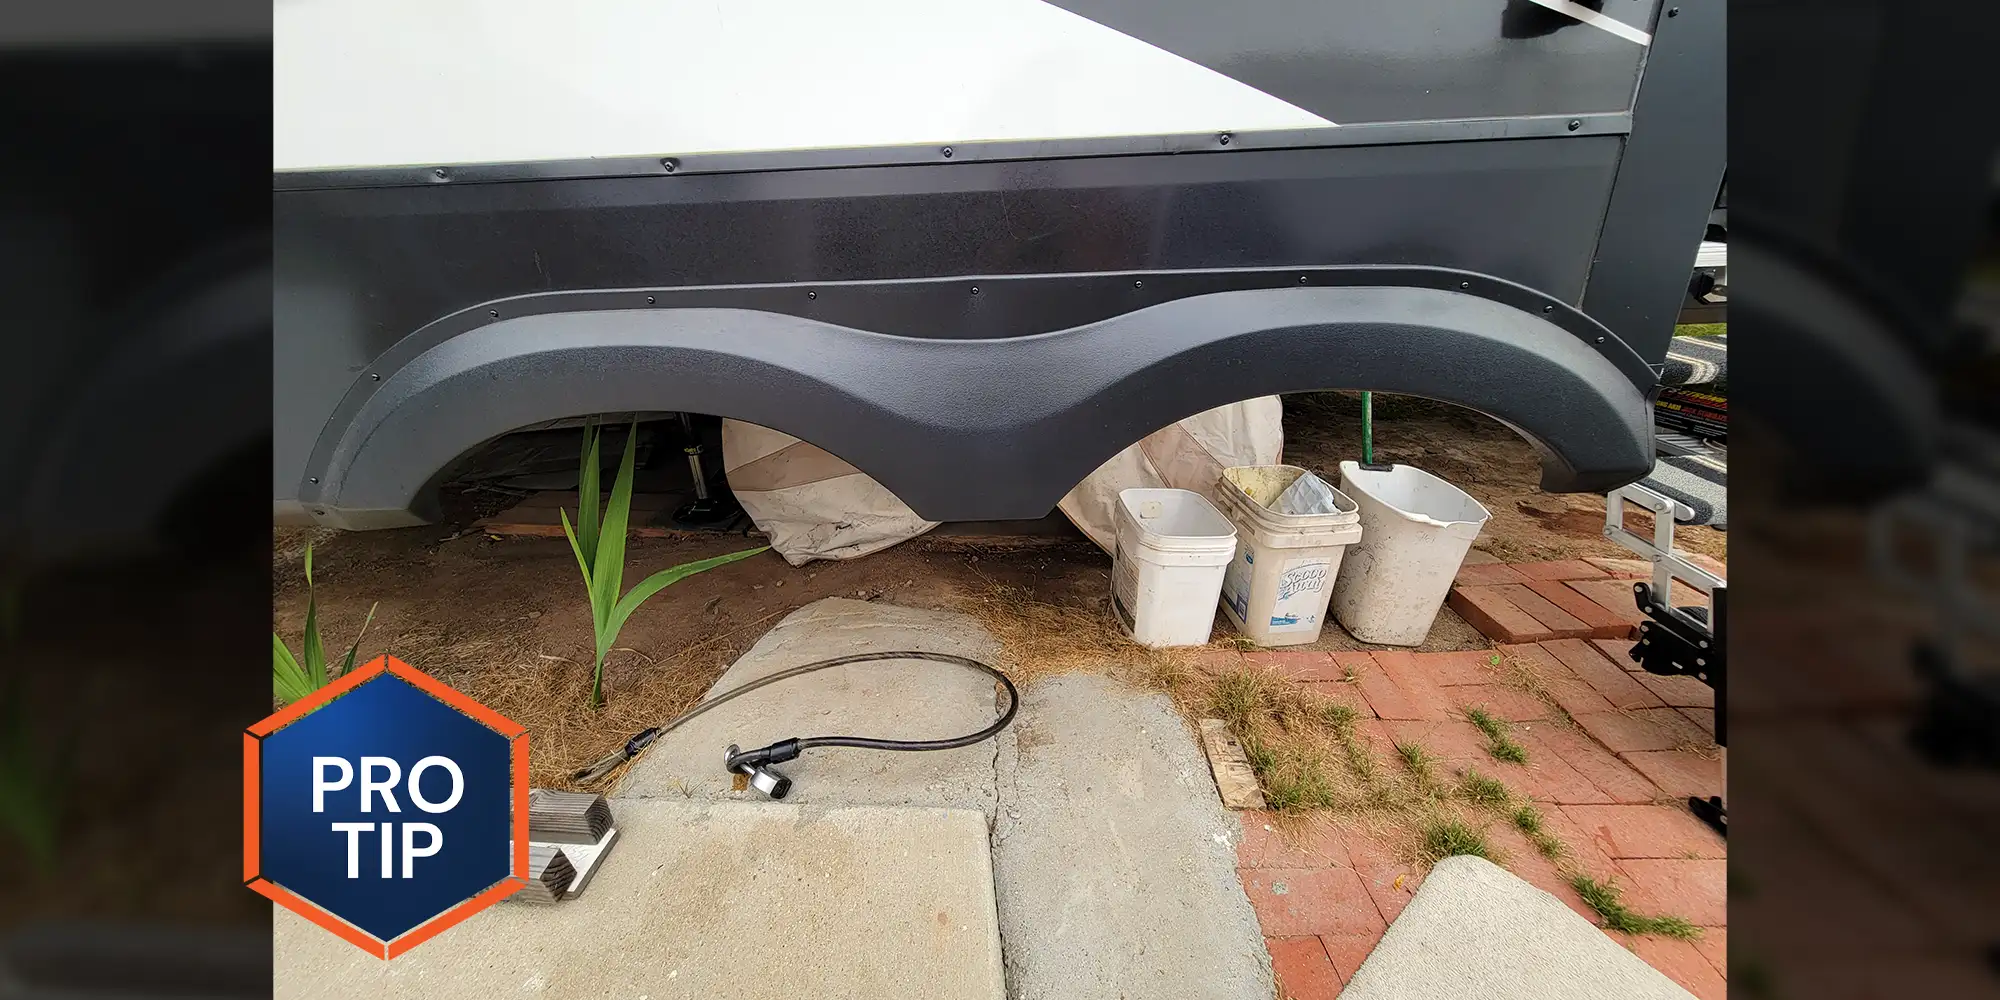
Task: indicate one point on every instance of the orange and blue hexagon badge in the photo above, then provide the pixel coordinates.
(385, 807)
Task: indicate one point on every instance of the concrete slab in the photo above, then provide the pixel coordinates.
(1476, 930)
(713, 900)
(1114, 859)
(894, 699)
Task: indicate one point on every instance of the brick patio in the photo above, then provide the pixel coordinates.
(1611, 785)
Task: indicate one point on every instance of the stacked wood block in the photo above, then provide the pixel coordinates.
(1562, 599)
(549, 874)
(568, 834)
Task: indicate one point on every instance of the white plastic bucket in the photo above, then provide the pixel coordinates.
(1167, 570)
(1415, 529)
(1277, 587)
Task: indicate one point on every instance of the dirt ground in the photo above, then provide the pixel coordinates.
(505, 619)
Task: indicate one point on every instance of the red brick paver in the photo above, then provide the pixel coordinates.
(1562, 684)
(1692, 888)
(1422, 690)
(1599, 619)
(1295, 664)
(1487, 575)
(1645, 831)
(1624, 732)
(1617, 779)
(1683, 963)
(1348, 951)
(1297, 901)
(1556, 623)
(1449, 740)
(1496, 617)
(1677, 690)
(1325, 892)
(1388, 880)
(1266, 845)
(1460, 667)
(1607, 678)
(1302, 968)
(1614, 596)
(1511, 704)
(1562, 569)
(1679, 772)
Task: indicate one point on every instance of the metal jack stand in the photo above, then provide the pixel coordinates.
(1691, 641)
(704, 511)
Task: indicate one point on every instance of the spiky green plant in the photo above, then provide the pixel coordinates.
(598, 539)
(294, 678)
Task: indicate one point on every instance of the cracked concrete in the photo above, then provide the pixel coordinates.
(1114, 862)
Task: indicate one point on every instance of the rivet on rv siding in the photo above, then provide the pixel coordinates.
(1138, 284)
(1673, 12)
(313, 479)
(1600, 340)
(1465, 284)
(947, 152)
(495, 313)
(650, 300)
(1223, 138)
(669, 165)
(374, 376)
(975, 289)
(1548, 309)
(1575, 123)
(812, 295)
(1302, 279)
(440, 173)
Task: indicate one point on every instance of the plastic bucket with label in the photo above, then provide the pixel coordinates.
(1277, 587)
(1172, 549)
(1418, 528)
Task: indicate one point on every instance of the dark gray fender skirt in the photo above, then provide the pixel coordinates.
(991, 429)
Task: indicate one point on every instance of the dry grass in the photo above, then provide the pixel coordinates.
(1039, 640)
(550, 695)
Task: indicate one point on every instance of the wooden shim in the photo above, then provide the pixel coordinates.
(1234, 777)
(549, 874)
(567, 817)
(586, 858)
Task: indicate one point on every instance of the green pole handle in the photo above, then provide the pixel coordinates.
(1367, 428)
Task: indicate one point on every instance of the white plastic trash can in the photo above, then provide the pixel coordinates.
(1415, 530)
(1277, 587)
(1172, 549)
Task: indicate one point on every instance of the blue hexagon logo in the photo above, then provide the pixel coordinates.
(385, 807)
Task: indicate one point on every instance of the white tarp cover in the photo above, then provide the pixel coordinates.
(1188, 454)
(813, 505)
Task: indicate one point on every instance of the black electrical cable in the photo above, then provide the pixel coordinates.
(788, 749)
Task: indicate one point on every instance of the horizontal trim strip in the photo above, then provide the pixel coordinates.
(1598, 20)
(1372, 134)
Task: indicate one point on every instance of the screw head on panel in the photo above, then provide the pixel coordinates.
(812, 295)
(669, 164)
(1224, 138)
(1575, 123)
(374, 376)
(947, 152)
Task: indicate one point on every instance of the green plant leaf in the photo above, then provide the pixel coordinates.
(313, 654)
(288, 680)
(608, 579)
(309, 564)
(582, 561)
(347, 662)
(666, 578)
(589, 511)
